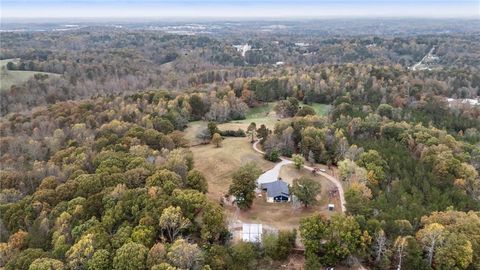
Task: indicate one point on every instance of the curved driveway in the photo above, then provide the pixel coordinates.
(273, 174)
(284, 161)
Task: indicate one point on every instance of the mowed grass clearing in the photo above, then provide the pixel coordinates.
(321, 109)
(285, 216)
(259, 116)
(218, 165)
(16, 77)
(263, 114)
(260, 111)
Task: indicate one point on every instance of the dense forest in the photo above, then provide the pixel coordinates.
(97, 172)
(100, 61)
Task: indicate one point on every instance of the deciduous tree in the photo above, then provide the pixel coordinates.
(196, 180)
(252, 131)
(217, 139)
(430, 238)
(156, 255)
(172, 221)
(298, 160)
(454, 253)
(213, 222)
(244, 184)
(185, 255)
(80, 253)
(101, 260)
(244, 255)
(305, 190)
(131, 256)
(46, 264)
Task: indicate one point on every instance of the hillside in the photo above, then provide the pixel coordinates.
(17, 77)
(160, 146)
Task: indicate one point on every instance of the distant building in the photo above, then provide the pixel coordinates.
(277, 191)
(301, 44)
(252, 232)
(471, 101)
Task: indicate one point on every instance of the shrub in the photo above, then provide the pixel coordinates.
(233, 133)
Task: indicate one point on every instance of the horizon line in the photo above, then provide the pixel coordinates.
(257, 18)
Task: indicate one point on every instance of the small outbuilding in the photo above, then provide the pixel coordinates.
(277, 191)
(252, 232)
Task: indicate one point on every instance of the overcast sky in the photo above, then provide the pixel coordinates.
(238, 8)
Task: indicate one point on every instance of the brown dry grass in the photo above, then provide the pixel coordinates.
(194, 128)
(289, 172)
(282, 215)
(218, 164)
(269, 120)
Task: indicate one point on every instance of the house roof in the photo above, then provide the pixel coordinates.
(276, 188)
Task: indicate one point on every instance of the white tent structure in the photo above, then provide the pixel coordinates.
(252, 232)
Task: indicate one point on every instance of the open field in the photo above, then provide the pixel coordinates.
(218, 164)
(193, 129)
(263, 114)
(259, 116)
(260, 111)
(15, 77)
(321, 109)
(284, 215)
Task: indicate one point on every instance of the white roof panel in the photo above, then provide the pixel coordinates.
(252, 232)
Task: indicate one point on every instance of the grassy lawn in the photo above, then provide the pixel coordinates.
(15, 77)
(288, 173)
(193, 129)
(260, 111)
(263, 114)
(321, 109)
(218, 164)
(284, 216)
(259, 115)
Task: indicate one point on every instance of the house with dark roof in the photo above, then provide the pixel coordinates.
(276, 191)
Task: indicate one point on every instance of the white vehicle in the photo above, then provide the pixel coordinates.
(322, 170)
